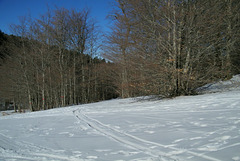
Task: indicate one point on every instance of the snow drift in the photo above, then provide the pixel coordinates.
(221, 86)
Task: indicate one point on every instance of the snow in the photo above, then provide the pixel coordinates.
(221, 86)
(187, 128)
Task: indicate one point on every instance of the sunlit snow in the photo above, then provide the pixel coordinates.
(195, 128)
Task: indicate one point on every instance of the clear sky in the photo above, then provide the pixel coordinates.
(10, 10)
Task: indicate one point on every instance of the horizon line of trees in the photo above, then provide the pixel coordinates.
(156, 47)
(171, 47)
(52, 62)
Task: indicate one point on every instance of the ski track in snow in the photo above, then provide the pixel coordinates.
(27, 151)
(207, 125)
(135, 142)
(130, 142)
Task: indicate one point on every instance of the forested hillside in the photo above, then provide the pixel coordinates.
(155, 47)
(52, 62)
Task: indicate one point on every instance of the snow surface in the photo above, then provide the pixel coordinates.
(221, 86)
(195, 128)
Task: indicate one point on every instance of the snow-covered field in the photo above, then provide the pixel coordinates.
(196, 128)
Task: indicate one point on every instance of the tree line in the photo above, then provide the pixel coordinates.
(52, 61)
(171, 47)
(156, 47)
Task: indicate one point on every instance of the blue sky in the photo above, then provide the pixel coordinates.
(10, 10)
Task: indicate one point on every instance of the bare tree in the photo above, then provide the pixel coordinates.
(52, 60)
(176, 46)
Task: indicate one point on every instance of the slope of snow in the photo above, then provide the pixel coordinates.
(194, 128)
(229, 85)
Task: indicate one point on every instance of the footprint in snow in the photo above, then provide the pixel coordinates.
(221, 139)
(150, 132)
(66, 133)
(178, 140)
(102, 150)
(199, 124)
(236, 158)
(125, 153)
(195, 138)
(91, 157)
